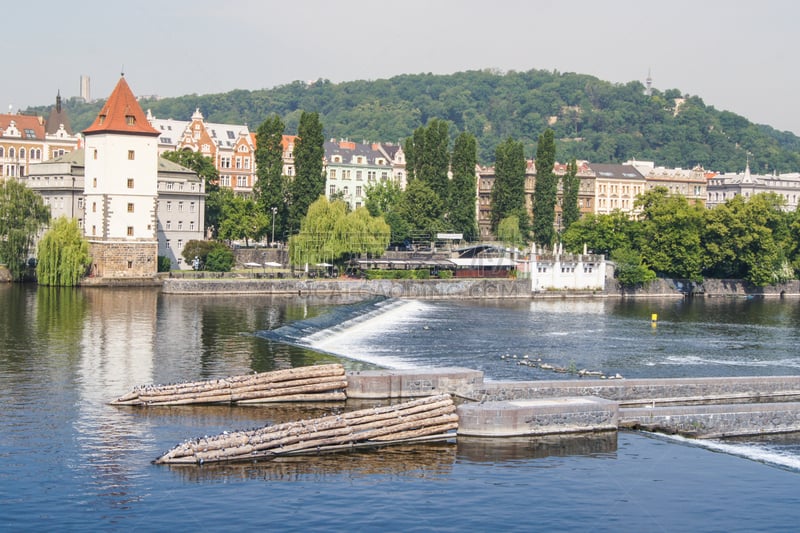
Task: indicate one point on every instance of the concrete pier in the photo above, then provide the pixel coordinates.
(537, 417)
(695, 407)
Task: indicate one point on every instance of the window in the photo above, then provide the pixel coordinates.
(94, 182)
(180, 224)
(95, 154)
(29, 134)
(170, 185)
(131, 154)
(169, 206)
(346, 190)
(358, 175)
(94, 229)
(191, 225)
(169, 224)
(332, 173)
(180, 244)
(130, 207)
(130, 120)
(241, 181)
(180, 207)
(358, 191)
(130, 263)
(2, 152)
(80, 202)
(191, 207)
(130, 231)
(332, 191)
(238, 162)
(130, 183)
(22, 153)
(94, 207)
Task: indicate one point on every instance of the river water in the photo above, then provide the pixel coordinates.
(69, 461)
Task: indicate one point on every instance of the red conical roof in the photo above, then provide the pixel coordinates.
(121, 114)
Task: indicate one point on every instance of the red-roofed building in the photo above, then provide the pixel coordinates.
(121, 189)
(27, 139)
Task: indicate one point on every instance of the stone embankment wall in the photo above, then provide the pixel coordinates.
(679, 288)
(418, 289)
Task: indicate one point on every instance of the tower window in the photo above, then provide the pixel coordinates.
(130, 231)
(130, 120)
(130, 183)
(130, 207)
(131, 154)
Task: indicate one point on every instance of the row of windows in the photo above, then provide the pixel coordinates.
(179, 225)
(345, 174)
(180, 206)
(33, 153)
(345, 191)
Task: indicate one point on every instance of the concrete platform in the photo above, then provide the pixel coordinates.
(543, 416)
(412, 383)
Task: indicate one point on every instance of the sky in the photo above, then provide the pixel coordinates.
(737, 56)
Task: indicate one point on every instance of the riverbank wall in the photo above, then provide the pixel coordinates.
(467, 288)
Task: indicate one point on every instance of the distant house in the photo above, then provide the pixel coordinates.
(26, 140)
(723, 187)
(230, 146)
(351, 168)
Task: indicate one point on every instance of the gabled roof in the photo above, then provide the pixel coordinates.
(121, 114)
(25, 127)
(614, 171)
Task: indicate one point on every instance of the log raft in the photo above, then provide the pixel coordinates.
(302, 384)
(425, 419)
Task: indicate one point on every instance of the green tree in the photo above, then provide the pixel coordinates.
(429, 156)
(508, 231)
(22, 215)
(629, 268)
(198, 249)
(309, 181)
(570, 212)
(669, 236)
(545, 191)
(63, 254)
(463, 188)
(382, 197)
(219, 259)
(421, 208)
(329, 233)
(749, 239)
(205, 169)
(270, 189)
(242, 219)
(508, 192)
(602, 234)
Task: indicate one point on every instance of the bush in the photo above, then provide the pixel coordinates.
(219, 259)
(164, 264)
(445, 274)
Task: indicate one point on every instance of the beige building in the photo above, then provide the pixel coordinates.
(26, 140)
(690, 183)
(723, 187)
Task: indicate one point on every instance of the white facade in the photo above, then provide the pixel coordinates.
(121, 186)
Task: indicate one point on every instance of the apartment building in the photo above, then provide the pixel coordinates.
(723, 187)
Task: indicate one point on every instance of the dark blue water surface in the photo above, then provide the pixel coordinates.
(69, 461)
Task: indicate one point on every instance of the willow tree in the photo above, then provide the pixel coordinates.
(22, 215)
(63, 254)
(330, 233)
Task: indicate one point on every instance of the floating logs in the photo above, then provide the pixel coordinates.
(430, 418)
(307, 383)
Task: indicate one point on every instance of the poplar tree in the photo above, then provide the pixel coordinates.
(428, 158)
(309, 181)
(63, 254)
(570, 212)
(270, 189)
(463, 187)
(508, 192)
(545, 191)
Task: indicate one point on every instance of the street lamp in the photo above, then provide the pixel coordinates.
(274, 210)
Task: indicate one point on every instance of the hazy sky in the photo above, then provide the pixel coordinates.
(738, 56)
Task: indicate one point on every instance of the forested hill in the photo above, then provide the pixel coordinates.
(592, 119)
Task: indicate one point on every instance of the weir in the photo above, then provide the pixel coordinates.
(691, 407)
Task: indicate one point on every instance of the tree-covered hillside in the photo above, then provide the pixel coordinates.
(592, 119)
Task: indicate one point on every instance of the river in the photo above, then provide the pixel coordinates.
(69, 461)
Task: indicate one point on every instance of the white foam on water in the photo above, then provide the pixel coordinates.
(761, 453)
(700, 361)
(359, 338)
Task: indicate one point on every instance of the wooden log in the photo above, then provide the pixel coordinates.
(151, 392)
(315, 397)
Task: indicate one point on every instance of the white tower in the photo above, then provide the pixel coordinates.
(121, 189)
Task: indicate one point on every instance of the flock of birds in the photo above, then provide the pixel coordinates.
(526, 360)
